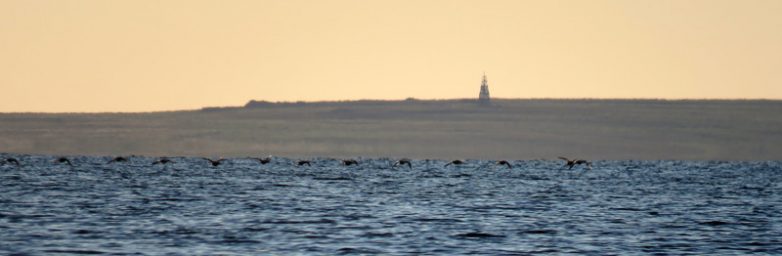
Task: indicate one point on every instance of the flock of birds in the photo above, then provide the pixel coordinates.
(569, 163)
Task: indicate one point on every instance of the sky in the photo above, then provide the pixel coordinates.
(144, 55)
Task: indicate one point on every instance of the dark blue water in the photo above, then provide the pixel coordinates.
(242, 207)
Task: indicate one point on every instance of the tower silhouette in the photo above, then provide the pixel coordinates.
(483, 97)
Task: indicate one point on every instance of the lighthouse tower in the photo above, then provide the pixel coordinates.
(483, 97)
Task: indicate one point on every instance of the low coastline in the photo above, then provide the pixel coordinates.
(643, 129)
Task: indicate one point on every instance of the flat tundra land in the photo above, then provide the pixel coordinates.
(445, 129)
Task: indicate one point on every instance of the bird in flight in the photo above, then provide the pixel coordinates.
(303, 162)
(573, 162)
(264, 160)
(162, 160)
(454, 162)
(119, 159)
(12, 160)
(214, 163)
(404, 161)
(63, 159)
(349, 162)
(505, 163)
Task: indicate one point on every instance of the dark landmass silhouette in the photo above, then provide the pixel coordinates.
(444, 129)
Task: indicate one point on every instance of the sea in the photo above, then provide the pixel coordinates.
(243, 207)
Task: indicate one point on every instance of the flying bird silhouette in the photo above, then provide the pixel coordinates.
(119, 159)
(12, 160)
(404, 161)
(349, 162)
(162, 160)
(264, 160)
(454, 162)
(214, 163)
(63, 159)
(506, 163)
(573, 162)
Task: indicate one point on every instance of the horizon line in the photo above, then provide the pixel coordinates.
(383, 100)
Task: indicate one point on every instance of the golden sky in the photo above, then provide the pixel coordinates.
(147, 55)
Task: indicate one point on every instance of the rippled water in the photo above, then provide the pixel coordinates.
(243, 207)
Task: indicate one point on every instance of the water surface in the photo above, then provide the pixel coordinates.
(243, 207)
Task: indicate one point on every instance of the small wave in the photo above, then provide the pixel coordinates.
(374, 234)
(239, 241)
(478, 235)
(73, 251)
(332, 178)
(177, 231)
(320, 221)
(436, 220)
(83, 232)
(254, 229)
(714, 223)
(351, 250)
(539, 232)
(631, 209)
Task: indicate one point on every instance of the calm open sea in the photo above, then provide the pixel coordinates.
(242, 207)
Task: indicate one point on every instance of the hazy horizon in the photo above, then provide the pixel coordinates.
(141, 56)
(387, 100)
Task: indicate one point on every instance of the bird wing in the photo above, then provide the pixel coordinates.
(563, 158)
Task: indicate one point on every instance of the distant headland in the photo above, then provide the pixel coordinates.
(444, 129)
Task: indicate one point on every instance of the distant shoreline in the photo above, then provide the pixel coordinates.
(437, 129)
(338, 160)
(259, 103)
